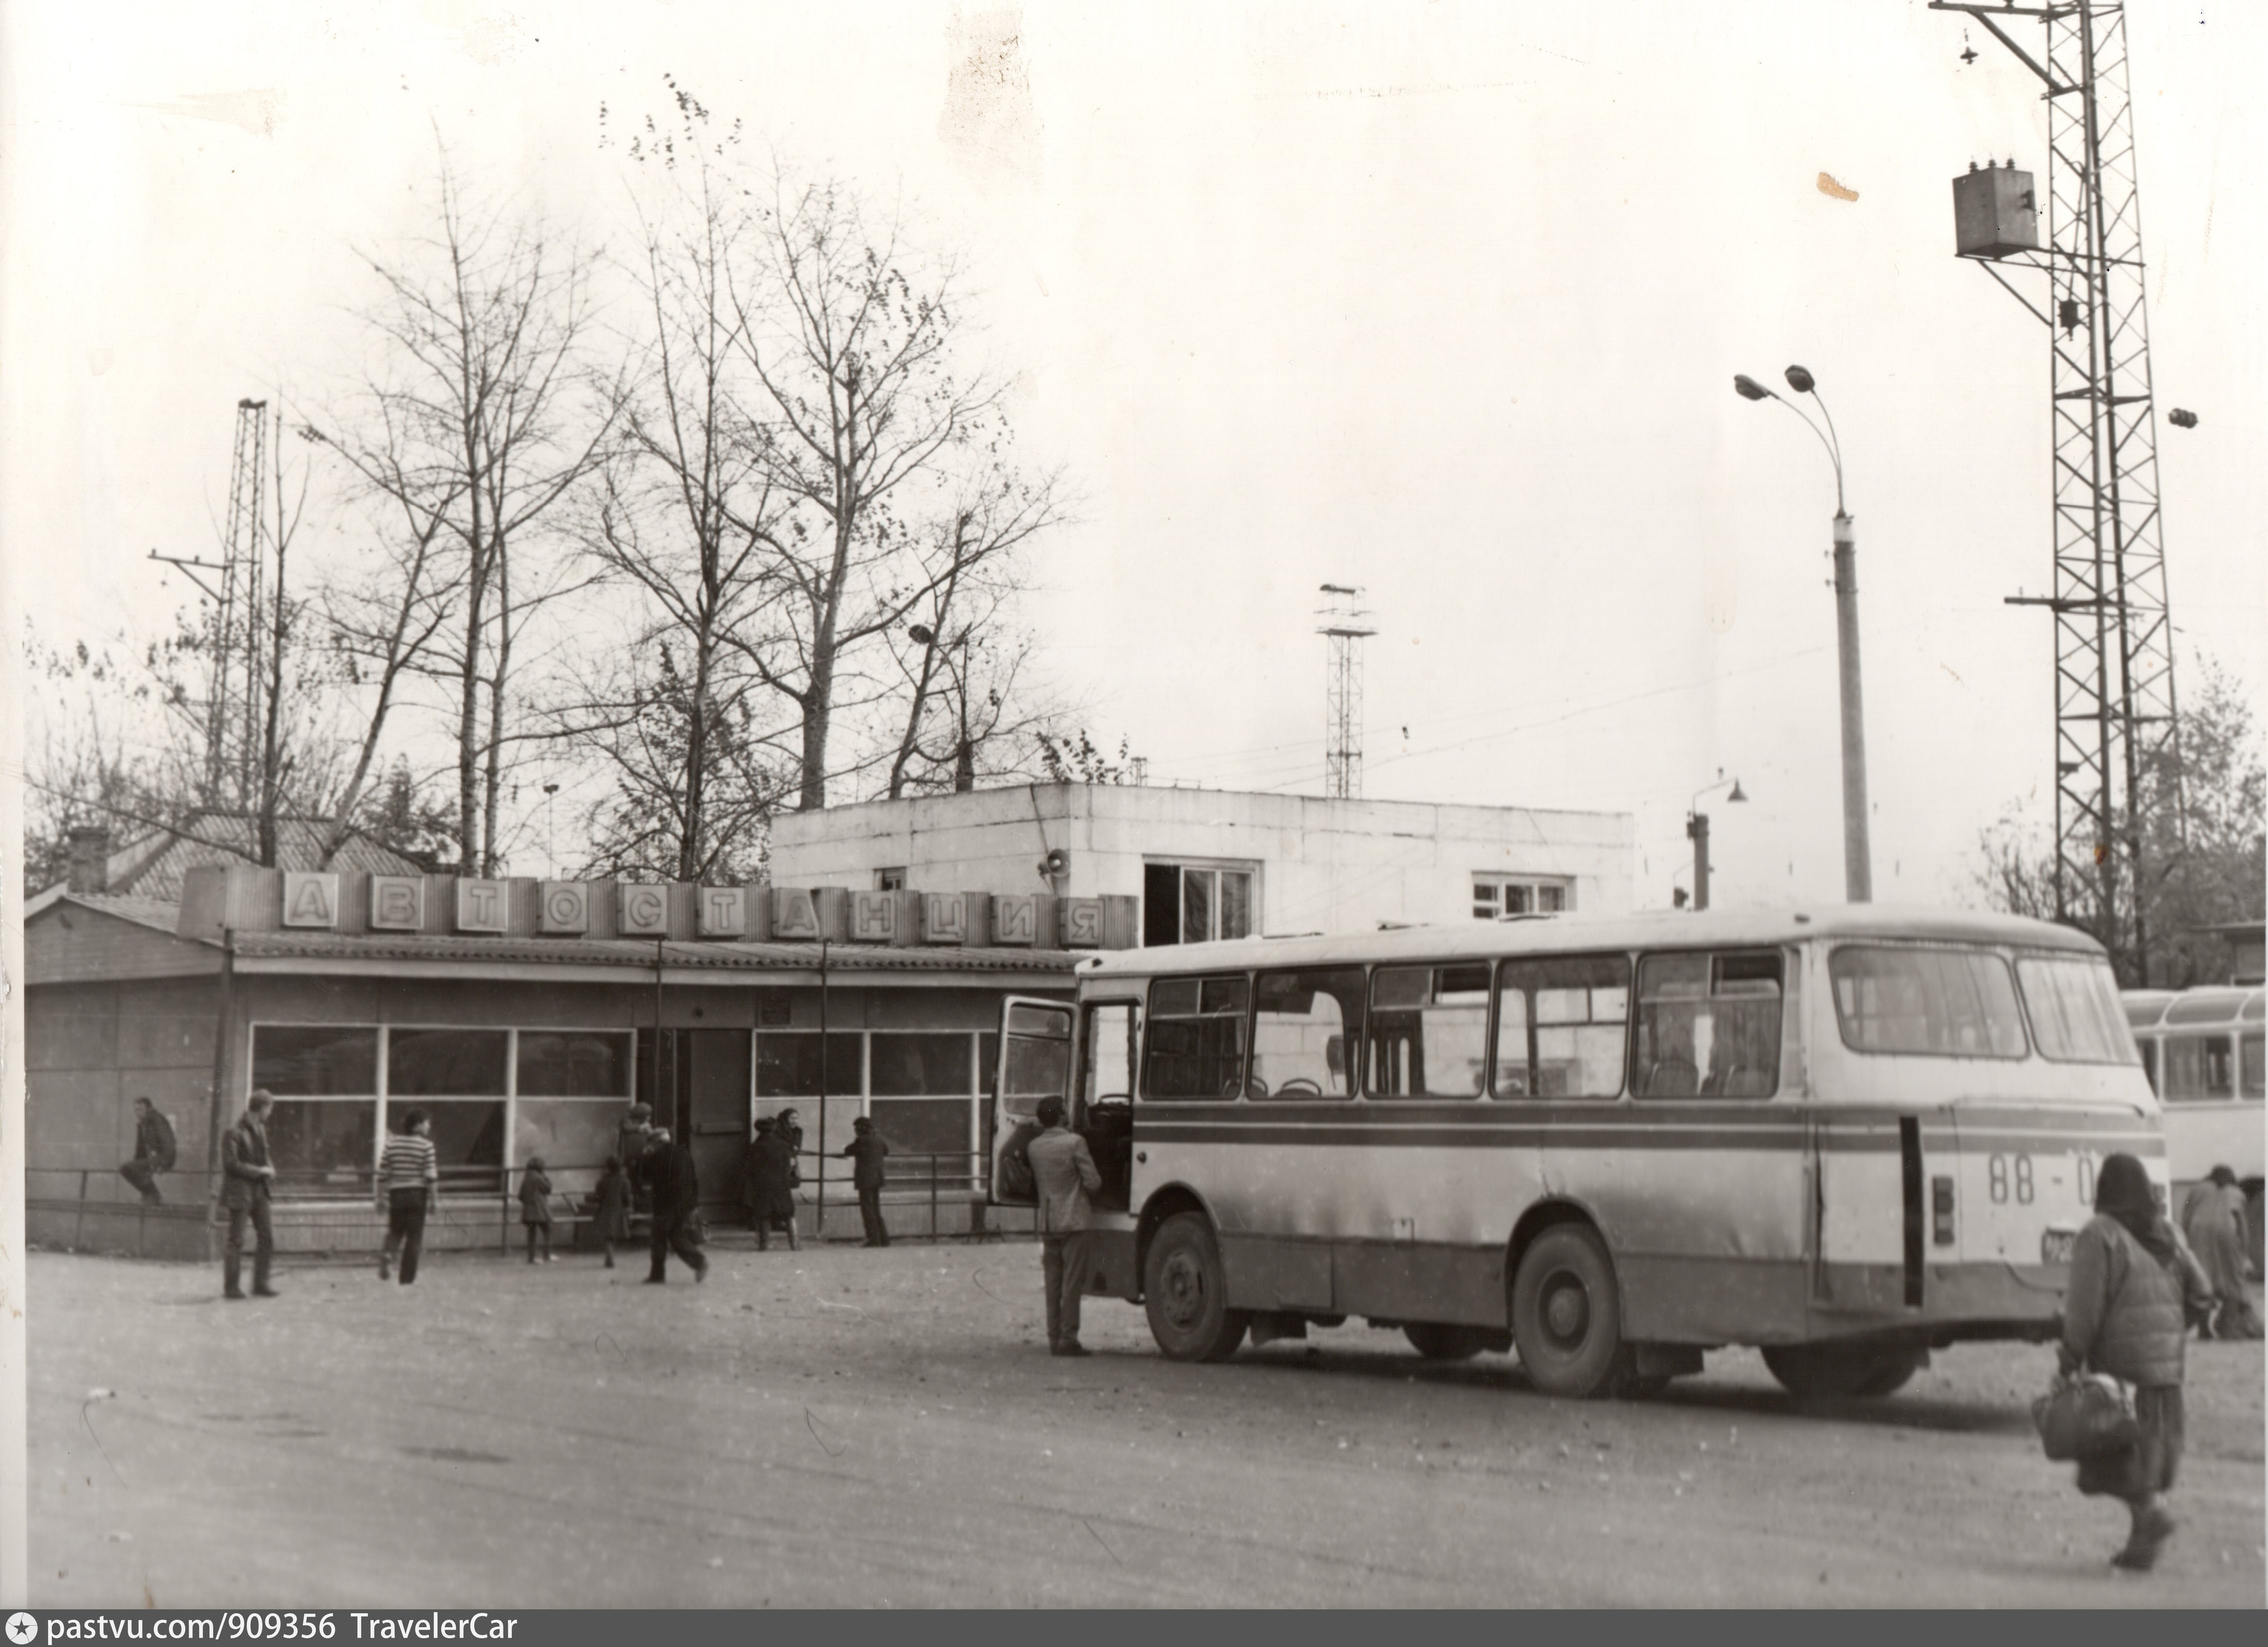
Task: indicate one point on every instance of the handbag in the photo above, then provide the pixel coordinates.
(2085, 1417)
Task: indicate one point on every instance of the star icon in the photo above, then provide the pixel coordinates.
(23, 1629)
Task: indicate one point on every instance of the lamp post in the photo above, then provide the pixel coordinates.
(1858, 871)
(1696, 830)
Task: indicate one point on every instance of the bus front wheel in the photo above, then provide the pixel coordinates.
(1841, 1372)
(1566, 1313)
(1186, 1294)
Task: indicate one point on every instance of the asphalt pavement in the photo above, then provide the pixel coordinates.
(845, 1427)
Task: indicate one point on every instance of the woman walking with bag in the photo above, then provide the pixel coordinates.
(2123, 1315)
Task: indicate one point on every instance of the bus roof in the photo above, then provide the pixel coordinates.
(2145, 1008)
(1552, 934)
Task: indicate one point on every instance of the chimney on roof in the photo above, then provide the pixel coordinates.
(90, 858)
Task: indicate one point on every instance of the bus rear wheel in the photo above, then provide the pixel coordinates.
(1566, 1314)
(1185, 1293)
(1839, 1372)
(1437, 1341)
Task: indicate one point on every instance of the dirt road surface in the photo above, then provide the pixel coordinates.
(848, 1427)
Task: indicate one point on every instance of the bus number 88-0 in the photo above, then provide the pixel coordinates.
(1998, 1177)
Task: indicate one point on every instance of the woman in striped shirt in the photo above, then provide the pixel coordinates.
(408, 1187)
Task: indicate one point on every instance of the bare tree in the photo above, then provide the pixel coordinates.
(869, 431)
(482, 415)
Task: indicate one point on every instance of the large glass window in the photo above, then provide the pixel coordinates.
(1561, 1027)
(2074, 1009)
(1194, 903)
(1196, 1047)
(1951, 1003)
(913, 1127)
(2254, 1060)
(445, 1063)
(1709, 1025)
(574, 1064)
(1304, 1028)
(309, 1060)
(1428, 1031)
(467, 1140)
(323, 1146)
(788, 1065)
(919, 1065)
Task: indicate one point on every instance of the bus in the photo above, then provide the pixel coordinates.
(1847, 1137)
(2205, 1052)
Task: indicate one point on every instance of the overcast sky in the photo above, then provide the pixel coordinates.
(1443, 300)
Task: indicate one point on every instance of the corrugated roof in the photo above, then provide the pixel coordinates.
(153, 866)
(633, 953)
(143, 912)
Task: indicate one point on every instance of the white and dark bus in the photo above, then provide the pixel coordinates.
(2205, 1052)
(1849, 1137)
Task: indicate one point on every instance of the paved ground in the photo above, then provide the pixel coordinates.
(844, 1427)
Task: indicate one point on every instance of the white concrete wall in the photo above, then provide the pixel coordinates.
(1325, 865)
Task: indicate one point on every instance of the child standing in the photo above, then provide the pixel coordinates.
(613, 1215)
(535, 1206)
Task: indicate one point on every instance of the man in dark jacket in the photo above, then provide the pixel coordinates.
(153, 1151)
(771, 1185)
(667, 1169)
(246, 1178)
(866, 1149)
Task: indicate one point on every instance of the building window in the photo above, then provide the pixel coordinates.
(1196, 903)
(890, 880)
(1497, 895)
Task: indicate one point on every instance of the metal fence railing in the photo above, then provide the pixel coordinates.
(338, 1211)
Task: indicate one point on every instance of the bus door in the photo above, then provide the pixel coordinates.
(1110, 1053)
(1034, 1063)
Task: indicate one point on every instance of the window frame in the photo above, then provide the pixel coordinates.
(1366, 1092)
(1843, 1023)
(1352, 1040)
(1628, 1088)
(1235, 1091)
(1248, 867)
(1713, 954)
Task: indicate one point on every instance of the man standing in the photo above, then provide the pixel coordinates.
(771, 1185)
(153, 1151)
(246, 1180)
(1064, 1174)
(676, 1191)
(409, 1188)
(866, 1149)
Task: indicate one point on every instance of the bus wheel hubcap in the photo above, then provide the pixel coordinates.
(1184, 1289)
(1566, 1311)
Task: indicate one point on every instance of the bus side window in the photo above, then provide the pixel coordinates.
(1561, 1027)
(1301, 1025)
(1195, 1045)
(2253, 1051)
(2220, 1067)
(2149, 1046)
(1428, 1031)
(1708, 1025)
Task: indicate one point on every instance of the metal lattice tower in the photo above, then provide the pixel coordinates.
(1344, 624)
(235, 636)
(2118, 774)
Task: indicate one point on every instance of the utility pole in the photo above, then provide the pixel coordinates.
(1345, 622)
(2118, 762)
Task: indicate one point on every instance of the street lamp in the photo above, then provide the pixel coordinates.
(1696, 830)
(1857, 872)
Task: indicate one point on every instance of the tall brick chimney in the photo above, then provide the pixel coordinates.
(90, 858)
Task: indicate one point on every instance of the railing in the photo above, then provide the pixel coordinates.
(338, 1210)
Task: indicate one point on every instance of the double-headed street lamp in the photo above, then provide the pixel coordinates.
(1696, 830)
(1858, 874)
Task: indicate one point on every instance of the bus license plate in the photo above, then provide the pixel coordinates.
(2056, 1245)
